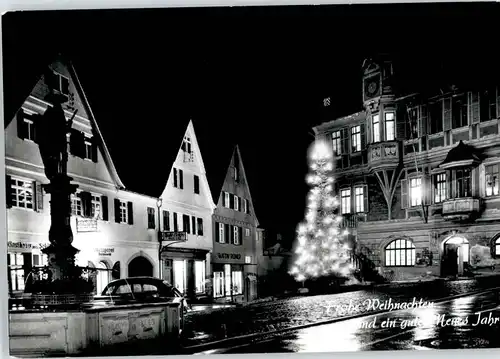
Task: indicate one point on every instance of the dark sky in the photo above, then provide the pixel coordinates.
(247, 75)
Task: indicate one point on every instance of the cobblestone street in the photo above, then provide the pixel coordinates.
(216, 324)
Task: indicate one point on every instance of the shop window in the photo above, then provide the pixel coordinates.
(237, 277)
(400, 253)
(15, 263)
(179, 267)
(227, 279)
(102, 276)
(218, 284)
(199, 276)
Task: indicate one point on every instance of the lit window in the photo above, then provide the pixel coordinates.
(235, 234)
(123, 212)
(376, 128)
(415, 191)
(96, 206)
(235, 173)
(226, 199)
(400, 253)
(227, 279)
(16, 271)
(88, 148)
(236, 203)
(222, 239)
(359, 199)
(237, 278)
(345, 195)
(22, 193)
(186, 144)
(247, 232)
(497, 247)
(463, 182)
(356, 138)
(218, 284)
(337, 149)
(248, 259)
(439, 187)
(76, 205)
(199, 276)
(389, 126)
(491, 177)
(179, 268)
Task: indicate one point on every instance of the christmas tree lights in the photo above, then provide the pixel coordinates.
(321, 249)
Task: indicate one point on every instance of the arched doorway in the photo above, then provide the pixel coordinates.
(102, 276)
(456, 253)
(140, 267)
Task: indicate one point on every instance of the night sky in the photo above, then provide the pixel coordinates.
(250, 76)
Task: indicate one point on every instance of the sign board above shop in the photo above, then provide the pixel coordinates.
(104, 251)
(173, 236)
(26, 245)
(86, 225)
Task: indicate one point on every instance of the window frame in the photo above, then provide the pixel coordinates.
(16, 188)
(393, 125)
(486, 175)
(222, 237)
(123, 211)
(411, 201)
(392, 247)
(348, 203)
(376, 128)
(440, 187)
(356, 199)
(337, 143)
(356, 139)
(151, 218)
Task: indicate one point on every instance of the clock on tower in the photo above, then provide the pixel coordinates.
(372, 86)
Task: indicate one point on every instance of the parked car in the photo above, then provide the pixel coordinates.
(140, 290)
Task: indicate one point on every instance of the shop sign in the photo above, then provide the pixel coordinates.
(24, 245)
(228, 255)
(104, 251)
(86, 225)
(173, 236)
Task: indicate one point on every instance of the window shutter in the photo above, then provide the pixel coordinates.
(166, 220)
(38, 195)
(344, 140)
(427, 189)
(240, 235)
(217, 232)
(365, 198)
(401, 119)
(181, 179)
(175, 177)
(363, 136)
(231, 201)
(8, 190)
(226, 232)
(239, 204)
(94, 149)
(223, 195)
(193, 225)
(21, 133)
(104, 208)
(130, 210)
(36, 121)
(404, 194)
(231, 235)
(86, 198)
(176, 223)
(474, 107)
(447, 114)
(200, 226)
(422, 119)
(117, 211)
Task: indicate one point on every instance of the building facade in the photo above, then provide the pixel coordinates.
(111, 226)
(417, 176)
(234, 257)
(186, 209)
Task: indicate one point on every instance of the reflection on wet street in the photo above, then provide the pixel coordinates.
(467, 322)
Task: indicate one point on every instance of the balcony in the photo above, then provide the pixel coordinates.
(349, 221)
(384, 155)
(460, 209)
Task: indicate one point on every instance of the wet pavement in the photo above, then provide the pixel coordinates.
(467, 322)
(202, 327)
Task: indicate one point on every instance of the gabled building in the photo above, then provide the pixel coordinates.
(234, 257)
(418, 174)
(112, 227)
(185, 210)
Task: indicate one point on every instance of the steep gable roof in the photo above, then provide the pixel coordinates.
(243, 174)
(22, 95)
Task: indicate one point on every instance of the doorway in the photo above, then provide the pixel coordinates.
(140, 267)
(455, 256)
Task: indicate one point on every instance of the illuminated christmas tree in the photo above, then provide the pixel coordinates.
(322, 249)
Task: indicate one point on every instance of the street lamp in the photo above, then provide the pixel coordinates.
(159, 203)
